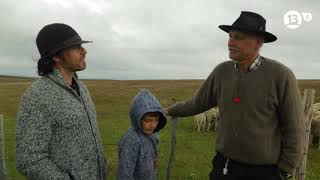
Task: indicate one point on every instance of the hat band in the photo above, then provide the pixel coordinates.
(65, 44)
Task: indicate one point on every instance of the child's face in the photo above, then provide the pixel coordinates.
(149, 123)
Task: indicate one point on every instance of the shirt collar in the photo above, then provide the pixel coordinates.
(253, 66)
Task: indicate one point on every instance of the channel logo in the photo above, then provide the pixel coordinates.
(293, 19)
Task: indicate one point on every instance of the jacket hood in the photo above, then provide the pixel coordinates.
(143, 103)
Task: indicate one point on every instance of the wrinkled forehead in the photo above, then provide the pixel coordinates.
(244, 34)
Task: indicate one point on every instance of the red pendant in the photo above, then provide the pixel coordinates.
(155, 164)
(236, 100)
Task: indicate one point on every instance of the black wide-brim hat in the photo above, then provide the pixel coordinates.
(252, 23)
(55, 37)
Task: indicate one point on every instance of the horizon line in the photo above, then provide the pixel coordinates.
(99, 79)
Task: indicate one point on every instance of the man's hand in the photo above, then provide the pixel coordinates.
(284, 175)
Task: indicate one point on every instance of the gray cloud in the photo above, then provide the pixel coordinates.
(143, 39)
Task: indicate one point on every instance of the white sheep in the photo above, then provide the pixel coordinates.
(315, 130)
(316, 114)
(200, 121)
(316, 107)
(212, 116)
(315, 124)
(207, 120)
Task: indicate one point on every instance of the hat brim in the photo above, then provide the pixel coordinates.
(67, 44)
(268, 37)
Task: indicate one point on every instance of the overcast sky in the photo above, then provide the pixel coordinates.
(155, 39)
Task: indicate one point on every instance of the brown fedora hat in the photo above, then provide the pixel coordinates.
(250, 22)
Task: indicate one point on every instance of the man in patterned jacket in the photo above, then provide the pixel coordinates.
(57, 135)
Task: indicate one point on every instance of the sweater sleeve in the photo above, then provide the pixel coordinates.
(33, 133)
(203, 99)
(127, 158)
(292, 125)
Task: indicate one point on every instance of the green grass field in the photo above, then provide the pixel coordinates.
(194, 151)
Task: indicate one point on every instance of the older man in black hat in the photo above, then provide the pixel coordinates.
(57, 134)
(261, 117)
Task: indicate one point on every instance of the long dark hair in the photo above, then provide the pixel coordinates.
(45, 66)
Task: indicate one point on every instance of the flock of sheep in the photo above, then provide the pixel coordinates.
(207, 120)
(210, 120)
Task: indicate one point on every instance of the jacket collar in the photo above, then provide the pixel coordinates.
(57, 77)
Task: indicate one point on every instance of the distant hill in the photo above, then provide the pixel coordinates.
(8, 78)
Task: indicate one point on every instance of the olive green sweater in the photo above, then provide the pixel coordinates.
(261, 114)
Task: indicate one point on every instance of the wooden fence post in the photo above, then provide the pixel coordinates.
(172, 145)
(172, 148)
(308, 99)
(3, 170)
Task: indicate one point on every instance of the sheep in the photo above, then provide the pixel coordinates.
(315, 129)
(207, 120)
(200, 121)
(316, 114)
(212, 116)
(316, 107)
(315, 124)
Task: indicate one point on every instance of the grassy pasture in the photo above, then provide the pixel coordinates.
(194, 151)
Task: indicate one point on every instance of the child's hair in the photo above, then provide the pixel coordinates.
(152, 114)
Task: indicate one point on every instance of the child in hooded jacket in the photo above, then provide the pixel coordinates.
(137, 149)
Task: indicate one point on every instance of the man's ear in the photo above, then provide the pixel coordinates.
(260, 42)
(55, 59)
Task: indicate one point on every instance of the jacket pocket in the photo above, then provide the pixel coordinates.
(143, 171)
(146, 174)
(73, 175)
